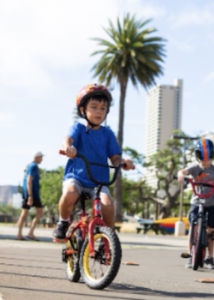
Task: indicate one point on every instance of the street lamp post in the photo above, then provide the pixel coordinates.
(184, 138)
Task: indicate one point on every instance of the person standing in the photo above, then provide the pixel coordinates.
(31, 197)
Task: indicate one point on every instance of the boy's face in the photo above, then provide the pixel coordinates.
(95, 111)
(205, 163)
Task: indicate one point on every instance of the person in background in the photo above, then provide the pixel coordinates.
(31, 197)
(202, 171)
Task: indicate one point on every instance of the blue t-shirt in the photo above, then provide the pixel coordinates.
(97, 146)
(32, 170)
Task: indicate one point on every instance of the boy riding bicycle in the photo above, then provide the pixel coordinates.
(202, 171)
(97, 144)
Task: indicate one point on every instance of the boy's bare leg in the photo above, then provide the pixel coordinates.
(39, 213)
(107, 209)
(67, 200)
(21, 222)
(189, 243)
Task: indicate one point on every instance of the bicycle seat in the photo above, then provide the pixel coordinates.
(84, 196)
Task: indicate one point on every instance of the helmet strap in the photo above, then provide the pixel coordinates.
(90, 123)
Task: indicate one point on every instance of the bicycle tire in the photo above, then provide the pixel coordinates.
(198, 247)
(72, 264)
(112, 265)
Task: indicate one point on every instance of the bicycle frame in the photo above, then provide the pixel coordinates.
(204, 222)
(198, 235)
(87, 224)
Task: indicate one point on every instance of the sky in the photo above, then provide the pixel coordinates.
(45, 59)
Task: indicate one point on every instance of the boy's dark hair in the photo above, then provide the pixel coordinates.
(99, 98)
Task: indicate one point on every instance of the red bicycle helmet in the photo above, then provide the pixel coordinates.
(90, 90)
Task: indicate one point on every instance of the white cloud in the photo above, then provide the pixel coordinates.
(193, 16)
(145, 10)
(44, 35)
(7, 120)
(37, 35)
(209, 77)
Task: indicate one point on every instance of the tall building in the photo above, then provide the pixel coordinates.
(163, 115)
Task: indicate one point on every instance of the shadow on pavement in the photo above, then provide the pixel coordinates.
(13, 238)
(30, 266)
(120, 288)
(98, 296)
(132, 289)
(30, 259)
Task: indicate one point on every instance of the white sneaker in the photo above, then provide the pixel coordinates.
(188, 263)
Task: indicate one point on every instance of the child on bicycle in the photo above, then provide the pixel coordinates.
(202, 171)
(97, 144)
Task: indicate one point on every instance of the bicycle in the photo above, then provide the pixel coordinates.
(198, 235)
(90, 243)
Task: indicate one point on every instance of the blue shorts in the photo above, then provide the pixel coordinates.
(194, 211)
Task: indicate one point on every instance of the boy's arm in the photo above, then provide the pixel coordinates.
(181, 175)
(70, 151)
(30, 190)
(116, 160)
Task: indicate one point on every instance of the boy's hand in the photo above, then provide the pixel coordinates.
(70, 151)
(129, 164)
(180, 177)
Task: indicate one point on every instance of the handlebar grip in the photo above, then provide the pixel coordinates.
(62, 152)
(125, 167)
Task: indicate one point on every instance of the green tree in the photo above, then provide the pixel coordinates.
(136, 193)
(6, 209)
(132, 54)
(51, 190)
(164, 165)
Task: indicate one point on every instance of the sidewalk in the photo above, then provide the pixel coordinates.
(8, 235)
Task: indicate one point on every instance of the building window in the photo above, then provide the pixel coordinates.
(176, 113)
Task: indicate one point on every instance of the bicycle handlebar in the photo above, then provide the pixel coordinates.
(198, 183)
(97, 164)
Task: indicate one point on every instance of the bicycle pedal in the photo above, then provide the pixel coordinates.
(59, 241)
(69, 231)
(186, 255)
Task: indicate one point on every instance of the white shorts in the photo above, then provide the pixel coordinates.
(91, 191)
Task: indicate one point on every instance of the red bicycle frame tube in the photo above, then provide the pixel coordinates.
(96, 221)
(86, 224)
(198, 183)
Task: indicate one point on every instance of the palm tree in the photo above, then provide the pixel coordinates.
(131, 54)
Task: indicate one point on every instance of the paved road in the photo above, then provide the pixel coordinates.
(33, 270)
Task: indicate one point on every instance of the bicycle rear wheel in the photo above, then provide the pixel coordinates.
(100, 271)
(72, 260)
(197, 248)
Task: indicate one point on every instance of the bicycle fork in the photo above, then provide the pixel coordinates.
(97, 221)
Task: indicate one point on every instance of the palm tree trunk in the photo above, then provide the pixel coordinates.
(117, 192)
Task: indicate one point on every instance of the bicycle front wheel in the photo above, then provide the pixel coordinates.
(99, 271)
(198, 247)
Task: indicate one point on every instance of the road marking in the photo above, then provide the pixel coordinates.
(130, 263)
(207, 280)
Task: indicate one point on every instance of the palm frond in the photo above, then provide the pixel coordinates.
(132, 53)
